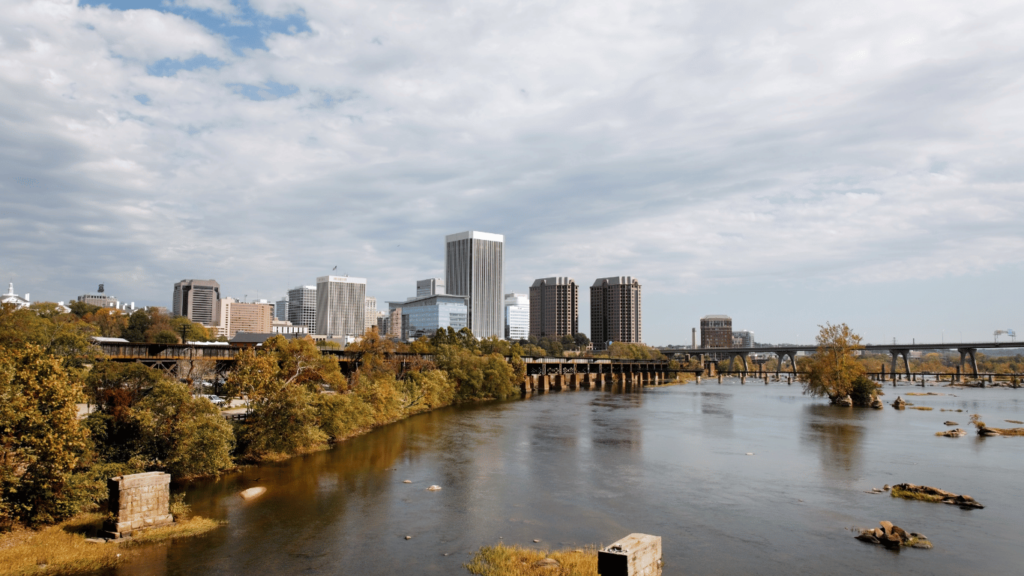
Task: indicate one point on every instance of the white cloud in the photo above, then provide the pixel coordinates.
(668, 141)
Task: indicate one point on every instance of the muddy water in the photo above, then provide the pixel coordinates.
(588, 467)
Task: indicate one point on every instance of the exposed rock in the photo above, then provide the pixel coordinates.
(988, 432)
(886, 487)
(546, 563)
(957, 433)
(844, 401)
(892, 537)
(250, 493)
(434, 488)
(899, 403)
(406, 481)
(408, 537)
(930, 494)
(950, 423)
(877, 404)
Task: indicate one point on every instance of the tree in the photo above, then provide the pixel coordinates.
(182, 434)
(833, 370)
(41, 439)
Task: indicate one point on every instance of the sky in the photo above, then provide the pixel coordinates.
(788, 163)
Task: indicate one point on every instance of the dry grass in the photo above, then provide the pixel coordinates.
(1009, 431)
(504, 560)
(923, 408)
(899, 493)
(62, 549)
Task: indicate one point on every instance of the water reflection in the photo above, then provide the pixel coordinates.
(837, 433)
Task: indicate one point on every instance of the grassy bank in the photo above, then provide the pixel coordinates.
(63, 549)
(504, 560)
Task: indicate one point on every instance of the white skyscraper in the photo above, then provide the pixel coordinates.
(340, 306)
(517, 317)
(302, 307)
(474, 267)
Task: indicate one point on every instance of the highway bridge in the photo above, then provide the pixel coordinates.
(967, 350)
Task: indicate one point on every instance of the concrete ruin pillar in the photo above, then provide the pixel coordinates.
(634, 555)
(137, 501)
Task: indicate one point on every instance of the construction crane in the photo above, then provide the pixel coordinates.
(1009, 332)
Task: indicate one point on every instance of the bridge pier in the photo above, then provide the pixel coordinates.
(968, 352)
(896, 353)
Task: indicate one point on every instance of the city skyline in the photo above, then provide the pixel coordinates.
(788, 166)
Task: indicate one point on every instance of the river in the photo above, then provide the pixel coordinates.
(586, 467)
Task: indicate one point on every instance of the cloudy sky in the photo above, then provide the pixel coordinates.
(788, 163)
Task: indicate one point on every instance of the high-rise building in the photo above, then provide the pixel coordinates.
(340, 306)
(429, 287)
(517, 317)
(281, 309)
(251, 317)
(716, 331)
(422, 316)
(474, 267)
(615, 312)
(302, 307)
(197, 300)
(554, 307)
(370, 320)
(743, 339)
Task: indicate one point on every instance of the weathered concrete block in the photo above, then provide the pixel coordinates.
(634, 555)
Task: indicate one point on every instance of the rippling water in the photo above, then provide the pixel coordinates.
(588, 467)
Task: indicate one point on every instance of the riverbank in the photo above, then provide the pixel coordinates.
(502, 560)
(67, 548)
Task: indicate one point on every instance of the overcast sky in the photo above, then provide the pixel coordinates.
(787, 163)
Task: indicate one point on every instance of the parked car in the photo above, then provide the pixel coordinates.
(217, 400)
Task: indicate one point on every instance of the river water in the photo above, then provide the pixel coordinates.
(589, 467)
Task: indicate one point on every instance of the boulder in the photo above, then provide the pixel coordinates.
(546, 563)
(877, 404)
(250, 493)
(844, 401)
(957, 433)
(892, 537)
(930, 494)
(434, 488)
(988, 432)
(899, 403)
(950, 423)
(868, 536)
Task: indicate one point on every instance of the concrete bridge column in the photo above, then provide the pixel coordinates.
(968, 352)
(545, 383)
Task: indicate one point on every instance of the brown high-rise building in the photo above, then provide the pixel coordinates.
(615, 314)
(716, 331)
(554, 307)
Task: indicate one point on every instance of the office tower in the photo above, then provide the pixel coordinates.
(615, 314)
(281, 309)
(422, 316)
(197, 300)
(101, 300)
(302, 307)
(474, 268)
(252, 317)
(370, 320)
(716, 331)
(340, 306)
(429, 287)
(517, 317)
(554, 307)
(743, 339)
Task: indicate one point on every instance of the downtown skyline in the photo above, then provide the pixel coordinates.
(788, 165)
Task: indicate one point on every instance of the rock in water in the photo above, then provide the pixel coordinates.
(434, 488)
(950, 423)
(251, 493)
(957, 433)
(844, 401)
(406, 481)
(877, 404)
(899, 403)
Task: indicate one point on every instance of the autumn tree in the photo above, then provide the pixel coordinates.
(41, 439)
(833, 370)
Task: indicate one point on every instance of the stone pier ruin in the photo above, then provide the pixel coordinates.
(137, 501)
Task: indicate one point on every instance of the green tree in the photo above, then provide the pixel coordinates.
(182, 434)
(833, 369)
(41, 439)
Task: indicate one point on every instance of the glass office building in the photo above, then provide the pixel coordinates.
(424, 315)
